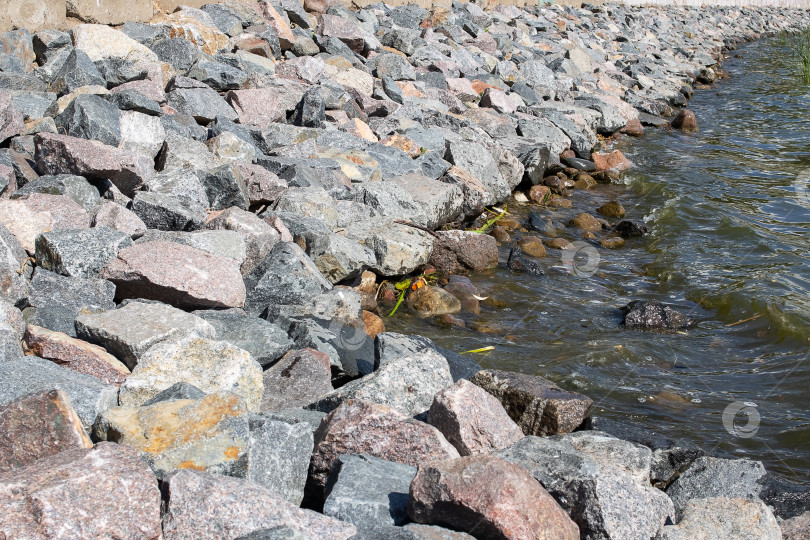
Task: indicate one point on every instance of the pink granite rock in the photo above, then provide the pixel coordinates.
(203, 506)
(343, 29)
(472, 420)
(28, 217)
(60, 154)
(11, 120)
(263, 186)
(362, 427)
(38, 426)
(176, 274)
(258, 107)
(488, 497)
(99, 493)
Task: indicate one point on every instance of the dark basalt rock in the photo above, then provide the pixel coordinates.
(518, 263)
(651, 315)
(629, 229)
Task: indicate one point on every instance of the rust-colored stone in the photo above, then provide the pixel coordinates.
(74, 354)
(38, 426)
(373, 323)
(685, 121)
(614, 161)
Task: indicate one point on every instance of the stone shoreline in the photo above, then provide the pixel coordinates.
(201, 221)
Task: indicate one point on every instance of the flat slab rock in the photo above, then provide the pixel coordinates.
(361, 427)
(537, 405)
(726, 518)
(300, 377)
(176, 274)
(208, 434)
(205, 506)
(96, 493)
(38, 426)
(489, 497)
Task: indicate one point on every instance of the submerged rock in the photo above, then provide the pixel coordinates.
(650, 315)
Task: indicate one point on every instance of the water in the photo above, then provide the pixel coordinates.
(729, 212)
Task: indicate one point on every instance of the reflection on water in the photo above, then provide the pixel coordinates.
(729, 211)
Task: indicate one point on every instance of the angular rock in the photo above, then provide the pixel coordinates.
(367, 491)
(176, 274)
(488, 496)
(30, 375)
(60, 154)
(361, 427)
(91, 117)
(654, 316)
(116, 217)
(310, 110)
(259, 235)
(129, 331)
(11, 120)
(28, 217)
(75, 187)
(206, 506)
(398, 249)
(81, 490)
(343, 29)
(38, 426)
(209, 434)
(204, 104)
(211, 366)
(406, 384)
(457, 251)
(279, 456)
(141, 134)
(472, 420)
(100, 42)
(74, 354)
(258, 107)
(727, 518)
(391, 346)
(79, 253)
(56, 301)
(265, 341)
(78, 70)
(224, 188)
(538, 405)
(711, 477)
(221, 77)
(13, 283)
(796, 528)
(286, 276)
(298, 379)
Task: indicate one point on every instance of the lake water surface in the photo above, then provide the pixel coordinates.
(729, 213)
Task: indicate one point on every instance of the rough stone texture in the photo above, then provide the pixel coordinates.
(368, 491)
(202, 103)
(97, 493)
(715, 477)
(91, 117)
(265, 341)
(56, 301)
(209, 434)
(195, 26)
(13, 284)
(141, 133)
(727, 518)
(204, 506)
(28, 217)
(390, 346)
(60, 154)
(472, 420)
(487, 496)
(286, 276)
(211, 366)
(602, 482)
(458, 251)
(654, 316)
(168, 213)
(176, 274)
(88, 395)
(298, 379)
(117, 217)
(258, 107)
(538, 405)
(361, 427)
(614, 161)
(38, 426)
(75, 187)
(79, 253)
(260, 236)
(796, 528)
(129, 331)
(399, 249)
(279, 456)
(74, 354)
(430, 301)
(406, 384)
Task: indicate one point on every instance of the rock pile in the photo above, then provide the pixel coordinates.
(194, 214)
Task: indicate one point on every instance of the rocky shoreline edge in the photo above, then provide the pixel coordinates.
(201, 222)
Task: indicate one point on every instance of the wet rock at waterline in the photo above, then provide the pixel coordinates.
(650, 315)
(518, 262)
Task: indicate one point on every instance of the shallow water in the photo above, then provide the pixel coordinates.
(729, 212)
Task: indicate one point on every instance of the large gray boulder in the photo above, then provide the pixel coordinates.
(279, 456)
(80, 252)
(265, 341)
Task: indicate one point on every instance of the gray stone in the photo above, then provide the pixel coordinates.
(77, 71)
(727, 518)
(227, 20)
(79, 253)
(339, 258)
(279, 456)
(127, 332)
(117, 71)
(544, 132)
(227, 244)
(141, 133)
(308, 202)
(265, 341)
(182, 54)
(167, 213)
(300, 377)
(391, 346)
(180, 183)
(26, 83)
(224, 188)
(310, 110)
(56, 301)
(181, 390)
(259, 236)
(181, 152)
(132, 100)
(46, 42)
(75, 187)
(13, 262)
(406, 384)
(91, 117)
(32, 105)
(582, 141)
(399, 249)
(433, 532)
(89, 396)
(715, 477)
(220, 77)
(392, 65)
(602, 482)
(117, 217)
(286, 276)
(312, 419)
(368, 491)
(204, 104)
(468, 156)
